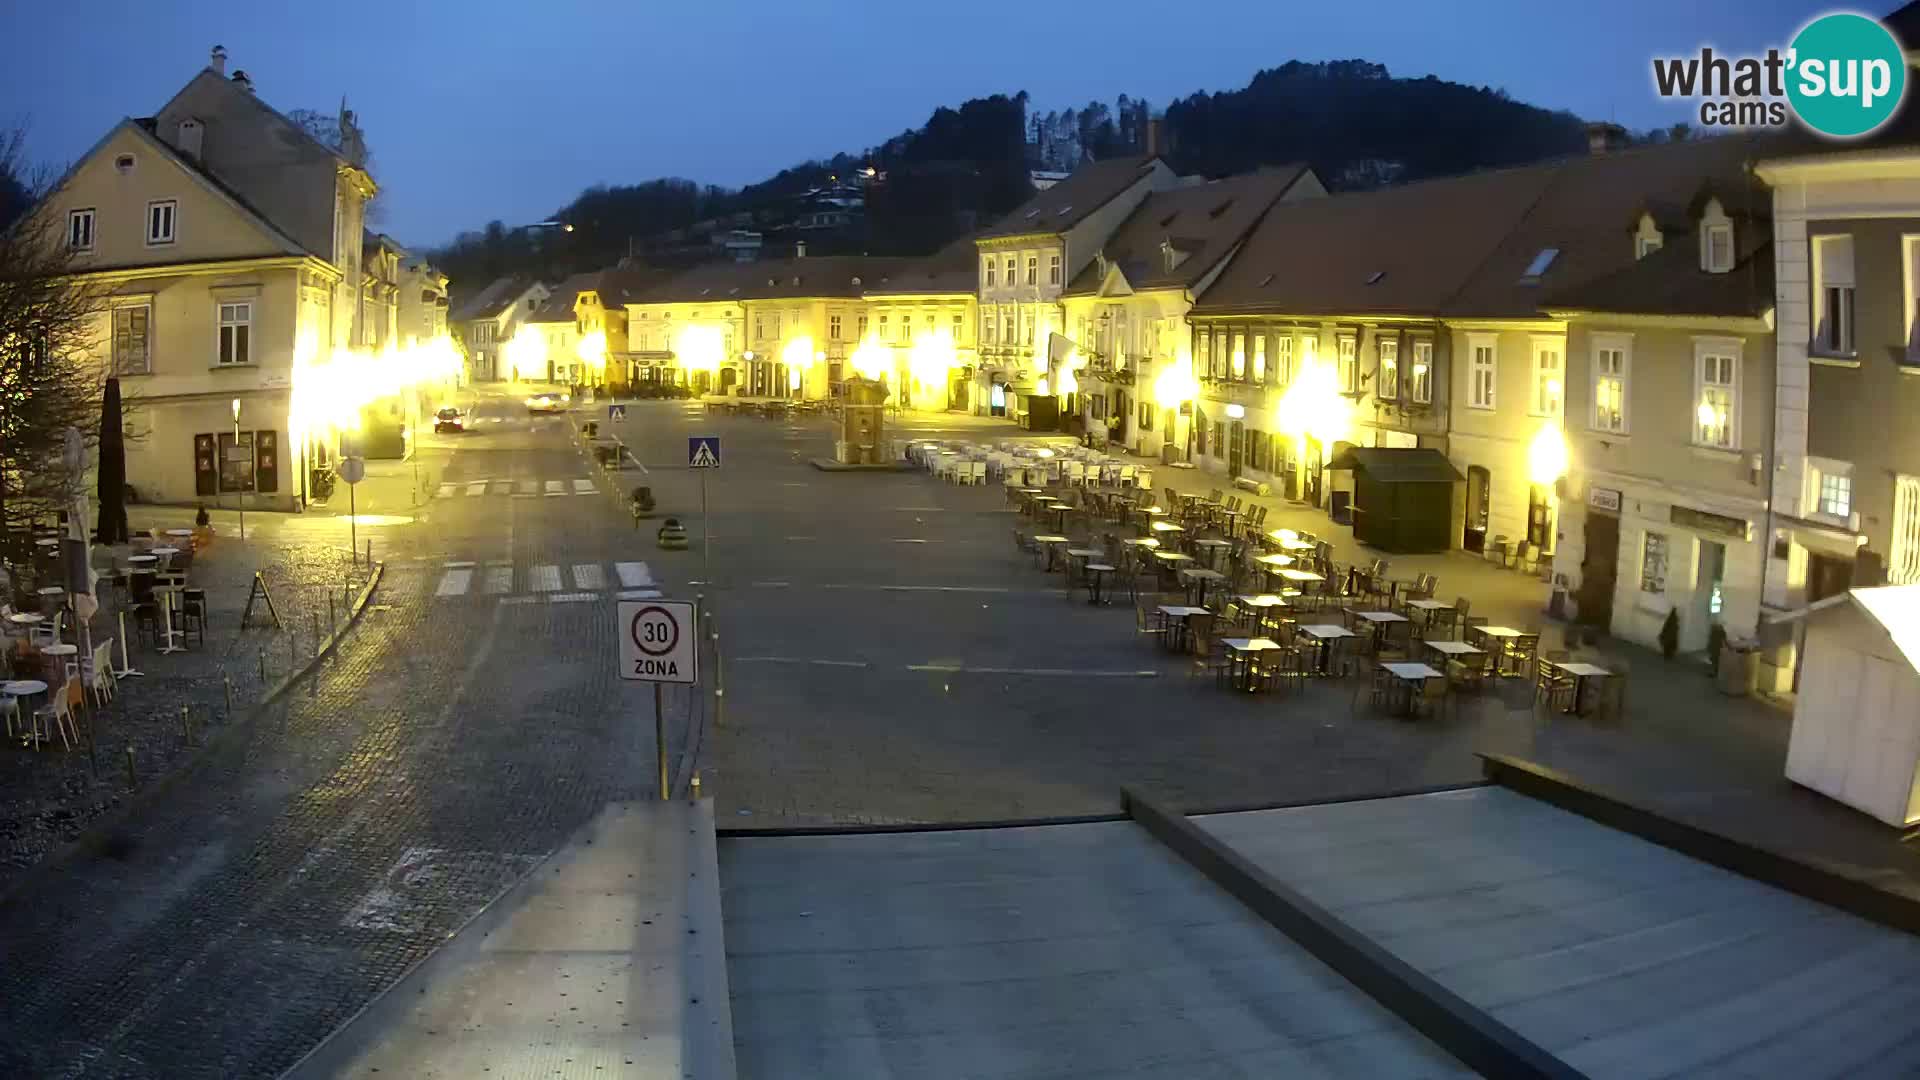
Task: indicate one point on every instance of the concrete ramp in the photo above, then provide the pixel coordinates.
(607, 961)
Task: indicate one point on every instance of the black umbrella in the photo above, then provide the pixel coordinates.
(113, 469)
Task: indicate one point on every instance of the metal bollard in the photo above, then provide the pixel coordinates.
(293, 652)
(263, 669)
(133, 778)
(186, 735)
(693, 793)
(316, 633)
(332, 627)
(227, 681)
(369, 554)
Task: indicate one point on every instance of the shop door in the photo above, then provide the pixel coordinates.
(1479, 492)
(1827, 576)
(1236, 447)
(1539, 518)
(1599, 569)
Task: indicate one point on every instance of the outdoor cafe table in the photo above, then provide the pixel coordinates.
(1581, 673)
(1168, 527)
(165, 554)
(1081, 555)
(23, 688)
(1380, 622)
(1171, 560)
(1197, 579)
(1175, 637)
(1055, 511)
(1213, 547)
(1412, 678)
(1262, 606)
(1049, 542)
(1241, 655)
(1497, 637)
(1452, 650)
(183, 534)
(1096, 579)
(1428, 609)
(1325, 636)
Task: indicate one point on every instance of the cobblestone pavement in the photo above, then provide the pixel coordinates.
(304, 862)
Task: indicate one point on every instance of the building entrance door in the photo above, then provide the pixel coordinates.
(1479, 491)
(1599, 569)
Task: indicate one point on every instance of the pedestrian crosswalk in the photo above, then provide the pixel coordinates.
(521, 488)
(552, 582)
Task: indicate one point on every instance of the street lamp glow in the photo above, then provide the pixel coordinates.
(592, 352)
(1313, 408)
(872, 360)
(236, 410)
(1547, 456)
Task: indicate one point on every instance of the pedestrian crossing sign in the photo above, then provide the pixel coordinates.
(616, 412)
(703, 452)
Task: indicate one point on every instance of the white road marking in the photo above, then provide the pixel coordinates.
(454, 583)
(1072, 672)
(544, 578)
(458, 565)
(554, 487)
(585, 487)
(793, 483)
(773, 584)
(503, 487)
(633, 575)
(588, 576)
(640, 594)
(934, 588)
(476, 487)
(572, 597)
(444, 490)
(499, 580)
(527, 487)
(794, 538)
(518, 600)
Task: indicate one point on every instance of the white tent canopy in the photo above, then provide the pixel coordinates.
(1856, 722)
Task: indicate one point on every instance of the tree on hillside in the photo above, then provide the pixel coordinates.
(50, 377)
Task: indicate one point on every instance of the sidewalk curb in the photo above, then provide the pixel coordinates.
(95, 838)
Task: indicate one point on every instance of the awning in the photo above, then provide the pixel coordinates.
(1398, 466)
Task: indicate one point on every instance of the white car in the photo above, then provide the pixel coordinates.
(548, 403)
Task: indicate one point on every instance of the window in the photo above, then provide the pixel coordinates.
(1237, 360)
(1053, 269)
(1646, 244)
(1481, 371)
(1609, 384)
(1833, 295)
(1007, 334)
(1283, 360)
(1009, 267)
(1540, 264)
(160, 217)
(1389, 387)
(759, 327)
(1260, 358)
(236, 461)
(987, 325)
(1903, 562)
(863, 327)
(132, 339)
(80, 230)
(1026, 326)
(833, 328)
(1653, 563)
(1347, 364)
(236, 333)
(1420, 380)
(1033, 269)
(1836, 494)
(906, 329)
(1146, 416)
(886, 332)
(987, 269)
(1203, 353)
(1717, 241)
(1716, 410)
(1547, 387)
(959, 324)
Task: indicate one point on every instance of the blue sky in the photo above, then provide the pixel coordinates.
(489, 109)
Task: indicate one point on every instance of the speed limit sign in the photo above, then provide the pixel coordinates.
(658, 641)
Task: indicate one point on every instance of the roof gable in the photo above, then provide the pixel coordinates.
(1067, 203)
(1201, 223)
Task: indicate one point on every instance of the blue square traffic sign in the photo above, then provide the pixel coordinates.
(703, 452)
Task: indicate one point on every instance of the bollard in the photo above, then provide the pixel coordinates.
(263, 669)
(332, 627)
(369, 554)
(293, 652)
(186, 735)
(694, 793)
(227, 681)
(316, 633)
(133, 779)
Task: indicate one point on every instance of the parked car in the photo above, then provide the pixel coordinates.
(548, 403)
(449, 419)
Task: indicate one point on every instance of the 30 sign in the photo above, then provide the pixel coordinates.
(659, 641)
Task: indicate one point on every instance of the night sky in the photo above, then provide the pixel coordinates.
(482, 110)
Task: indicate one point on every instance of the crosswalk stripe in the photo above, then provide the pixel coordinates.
(584, 487)
(454, 583)
(572, 597)
(640, 594)
(477, 487)
(503, 487)
(554, 488)
(445, 490)
(588, 576)
(499, 580)
(527, 487)
(633, 575)
(544, 578)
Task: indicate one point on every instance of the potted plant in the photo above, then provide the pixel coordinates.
(1670, 634)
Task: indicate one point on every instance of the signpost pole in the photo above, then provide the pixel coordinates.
(353, 525)
(660, 739)
(706, 535)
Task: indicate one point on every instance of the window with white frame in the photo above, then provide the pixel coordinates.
(236, 333)
(987, 324)
(1237, 359)
(1026, 327)
(1482, 370)
(987, 272)
(1833, 295)
(959, 324)
(1835, 495)
(1283, 360)
(1053, 269)
(1420, 376)
(1347, 361)
(1645, 245)
(1012, 275)
(1610, 360)
(1389, 380)
(1717, 241)
(1549, 387)
(133, 339)
(1716, 376)
(886, 329)
(1033, 269)
(1203, 353)
(906, 329)
(833, 328)
(861, 328)
(80, 230)
(1903, 562)
(1260, 358)
(160, 221)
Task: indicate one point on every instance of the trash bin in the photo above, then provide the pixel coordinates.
(1739, 667)
(1340, 508)
(592, 429)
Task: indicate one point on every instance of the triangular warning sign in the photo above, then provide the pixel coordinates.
(703, 457)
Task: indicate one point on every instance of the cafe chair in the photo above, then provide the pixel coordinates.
(1213, 661)
(97, 672)
(1434, 696)
(1552, 687)
(58, 711)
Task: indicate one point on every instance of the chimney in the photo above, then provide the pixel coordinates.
(244, 81)
(800, 250)
(1153, 136)
(219, 61)
(192, 138)
(1604, 138)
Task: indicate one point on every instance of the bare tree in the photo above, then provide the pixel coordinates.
(50, 379)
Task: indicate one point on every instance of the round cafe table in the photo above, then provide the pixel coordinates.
(183, 534)
(23, 688)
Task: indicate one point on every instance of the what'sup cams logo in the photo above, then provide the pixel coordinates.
(1843, 76)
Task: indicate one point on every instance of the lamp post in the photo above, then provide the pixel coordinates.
(243, 487)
